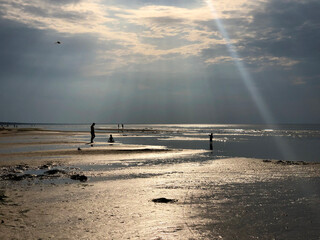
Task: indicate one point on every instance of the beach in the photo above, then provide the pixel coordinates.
(135, 191)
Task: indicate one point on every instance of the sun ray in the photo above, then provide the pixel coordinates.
(248, 81)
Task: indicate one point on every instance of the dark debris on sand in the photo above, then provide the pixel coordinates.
(164, 200)
(291, 163)
(17, 173)
(282, 162)
(15, 177)
(54, 171)
(81, 178)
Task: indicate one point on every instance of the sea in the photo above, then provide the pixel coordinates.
(289, 142)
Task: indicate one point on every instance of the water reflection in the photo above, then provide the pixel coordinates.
(256, 141)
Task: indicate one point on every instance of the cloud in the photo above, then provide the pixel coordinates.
(265, 33)
(273, 34)
(114, 25)
(284, 36)
(288, 28)
(119, 56)
(31, 54)
(142, 3)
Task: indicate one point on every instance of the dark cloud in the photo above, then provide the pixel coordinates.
(37, 75)
(35, 10)
(32, 53)
(283, 29)
(287, 29)
(216, 51)
(280, 32)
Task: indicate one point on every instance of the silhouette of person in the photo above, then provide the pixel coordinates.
(92, 132)
(211, 137)
(111, 140)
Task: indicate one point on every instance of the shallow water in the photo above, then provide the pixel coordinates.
(282, 142)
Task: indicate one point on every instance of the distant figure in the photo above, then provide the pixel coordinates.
(122, 127)
(211, 137)
(58, 42)
(111, 140)
(92, 132)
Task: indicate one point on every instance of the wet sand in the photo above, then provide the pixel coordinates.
(235, 198)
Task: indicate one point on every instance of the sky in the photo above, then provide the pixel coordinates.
(160, 61)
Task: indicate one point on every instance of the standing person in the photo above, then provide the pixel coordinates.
(122, 127)
(211, 137)
(92, 132)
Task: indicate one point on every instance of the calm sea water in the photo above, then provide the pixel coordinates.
(283, 142)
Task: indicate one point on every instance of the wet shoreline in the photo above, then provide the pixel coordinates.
(151, 192)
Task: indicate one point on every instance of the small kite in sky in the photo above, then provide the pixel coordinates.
(58, 42)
